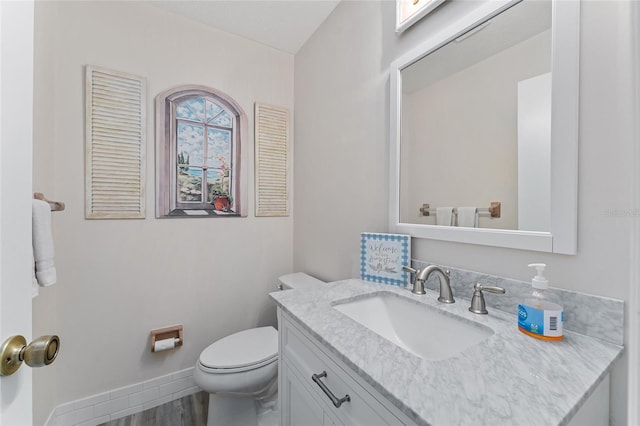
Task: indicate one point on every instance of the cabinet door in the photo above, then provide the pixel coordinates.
(305, 357)
(299, 407)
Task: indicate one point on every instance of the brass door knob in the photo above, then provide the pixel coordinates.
(42, 351)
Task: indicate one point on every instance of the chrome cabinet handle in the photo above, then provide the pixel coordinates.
(337, 402)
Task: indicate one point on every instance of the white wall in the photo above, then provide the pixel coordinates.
(342, 116)
(118, 279)
(634, 305)
(45, 318)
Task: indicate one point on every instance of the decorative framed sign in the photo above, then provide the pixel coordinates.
(408, 12)
(382, 257)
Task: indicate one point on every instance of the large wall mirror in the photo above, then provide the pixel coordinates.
(484, 115)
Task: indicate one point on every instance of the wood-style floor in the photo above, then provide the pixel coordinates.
(188, 411)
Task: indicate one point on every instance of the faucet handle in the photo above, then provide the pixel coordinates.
(489, 288)
(418, 286)
(477, 301)
(409, 269)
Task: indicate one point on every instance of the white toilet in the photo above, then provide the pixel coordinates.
(240, 371)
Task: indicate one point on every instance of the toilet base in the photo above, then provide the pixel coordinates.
(238, 410)
(225, 410)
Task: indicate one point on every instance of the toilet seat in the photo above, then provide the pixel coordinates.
(242, 351)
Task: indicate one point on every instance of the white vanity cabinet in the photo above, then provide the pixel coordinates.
(304, 403)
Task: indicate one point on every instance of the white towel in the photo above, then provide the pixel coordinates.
(444, 216)
(45, 271)
(468, 217)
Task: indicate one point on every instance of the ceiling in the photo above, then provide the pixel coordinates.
(282, 24)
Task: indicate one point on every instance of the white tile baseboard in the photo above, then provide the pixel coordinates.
(122, 402)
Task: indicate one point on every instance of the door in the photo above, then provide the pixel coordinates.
(16, 124)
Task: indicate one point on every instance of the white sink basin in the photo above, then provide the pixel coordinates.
(415, 327)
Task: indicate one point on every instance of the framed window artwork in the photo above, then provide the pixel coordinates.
(199, 154)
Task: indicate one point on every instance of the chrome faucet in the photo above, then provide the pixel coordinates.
(421, 275)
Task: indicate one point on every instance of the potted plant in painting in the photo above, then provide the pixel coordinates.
(219, 194)
(221, 200)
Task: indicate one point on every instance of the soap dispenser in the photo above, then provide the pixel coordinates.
(537, 316)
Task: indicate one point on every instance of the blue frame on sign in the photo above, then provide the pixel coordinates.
(382, 257)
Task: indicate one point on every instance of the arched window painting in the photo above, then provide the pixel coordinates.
(204, 161)
(203, 155)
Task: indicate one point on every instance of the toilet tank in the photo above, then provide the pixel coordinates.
(298, 280)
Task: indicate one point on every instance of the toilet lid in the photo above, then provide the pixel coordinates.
(242, 349)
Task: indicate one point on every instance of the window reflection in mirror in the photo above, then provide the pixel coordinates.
(475, 123)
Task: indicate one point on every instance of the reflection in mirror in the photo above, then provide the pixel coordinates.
(476, 124)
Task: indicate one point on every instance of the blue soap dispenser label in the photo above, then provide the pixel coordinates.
(540, 322)
(531, 319)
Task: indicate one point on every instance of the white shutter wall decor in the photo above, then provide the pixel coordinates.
(115, 145)
(272, 160)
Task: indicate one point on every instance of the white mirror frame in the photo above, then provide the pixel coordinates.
(562, 237)
(418, 12)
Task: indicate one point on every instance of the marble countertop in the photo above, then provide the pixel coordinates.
(507, 379)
